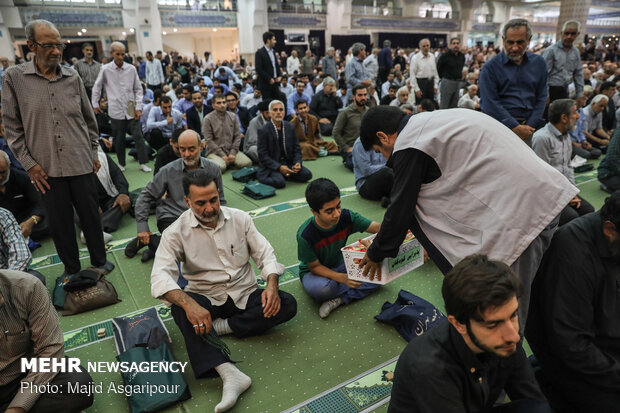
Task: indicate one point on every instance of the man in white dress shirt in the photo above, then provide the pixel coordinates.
(222, 292)
(423, 73)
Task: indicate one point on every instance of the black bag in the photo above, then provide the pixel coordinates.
(410, 314)
(245, 174)
(584, 168)
(256, 190)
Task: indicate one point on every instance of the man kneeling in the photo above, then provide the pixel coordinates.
(213, 245)
(464, 364)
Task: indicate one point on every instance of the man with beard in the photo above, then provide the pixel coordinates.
(553, 145)
(564, 64)
(574, 328)
(168, 181)
(464, 363)
(347, 126)
(450, 69)
(513, 85)
(325, 106)
(88, 68)
(162, 121)
(222, 294)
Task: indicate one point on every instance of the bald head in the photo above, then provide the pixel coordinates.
(117, 50)
(425, 46)
(189, 136)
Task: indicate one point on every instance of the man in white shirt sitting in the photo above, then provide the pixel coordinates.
(470, 100)
(222, 293)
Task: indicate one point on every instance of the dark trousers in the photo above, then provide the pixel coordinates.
(593, 153)
(570, 212)
(277, 180)
(58, 402)
(326, 128)
(119, 130)
(270, 92)
(249, 322)
(65, 195)
(557, 92)
(427, 86)
(612, 182)
(523, 406)
(156, 139)
(378, 184)
(111, 216)
(347, 159)
(37, 274)
(382, 76)
(154, 87)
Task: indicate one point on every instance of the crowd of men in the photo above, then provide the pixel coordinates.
(419, 128)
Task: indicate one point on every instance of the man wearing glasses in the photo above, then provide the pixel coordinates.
(564, 64)
(51, 128)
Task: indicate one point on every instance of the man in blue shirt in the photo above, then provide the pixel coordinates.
(581, 146)
(300, 87)
(355, 71)
(162, 121)
(385, 61)
(373, 179)
(513, 85)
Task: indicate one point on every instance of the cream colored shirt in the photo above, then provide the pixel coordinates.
(215, 261)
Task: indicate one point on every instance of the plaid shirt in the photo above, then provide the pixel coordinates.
(88, 72)
(14, 252)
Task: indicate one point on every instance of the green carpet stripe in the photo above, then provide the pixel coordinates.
(295, 203)
(362, 393)
(585, 177)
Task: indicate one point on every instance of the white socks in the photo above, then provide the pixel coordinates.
(235, 383)
(221, 327)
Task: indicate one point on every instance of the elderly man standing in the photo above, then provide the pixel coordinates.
(423, 73)
(355, 71)
(293, 64)
(51, 128)
(513, 85)
(124, 92)
(564, 64)
(88, 68)
(328, 63)
(222, 296)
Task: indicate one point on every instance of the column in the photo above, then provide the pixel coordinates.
(573, 10)
(143, 16)
(252, 22)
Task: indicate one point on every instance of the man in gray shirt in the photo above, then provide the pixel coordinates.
(88, 68)
(329, 63)
(355, 71)
(553, 145)
(51, 129)
(564, 64)
(168, 181)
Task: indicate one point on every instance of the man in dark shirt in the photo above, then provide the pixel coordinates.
(513, 85)
(384, 59)
(169, 152)
(21, 198)
(325, 105)
(463, 365)
(450, 69)
(574, 328)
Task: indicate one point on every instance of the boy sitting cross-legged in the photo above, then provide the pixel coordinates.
(319, 240)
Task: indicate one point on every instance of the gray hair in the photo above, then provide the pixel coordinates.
(116, 44)
(387, 43)
(328, 81)
(599, 97)
(330, 48)
(472, 85)
(6, 158)
(573, 23)
(408, 106)
(357, 47)
(32, 25)
(511, 24)
(425, 39)
(560, 107)
(275, 102)
(403, 89)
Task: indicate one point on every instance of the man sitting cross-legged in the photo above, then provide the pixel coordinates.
(279, 155)
(222, 293)
(319, 240)
(308, 133)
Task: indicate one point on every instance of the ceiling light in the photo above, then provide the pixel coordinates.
(174, 30)
(214, 30)
(164, 33)
(79, 33)
(132, 30)
(83, 30)
(124, 33)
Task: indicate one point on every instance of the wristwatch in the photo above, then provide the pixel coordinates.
(34, 219)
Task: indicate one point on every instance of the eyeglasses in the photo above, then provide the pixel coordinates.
(59, 46)
(571, 33)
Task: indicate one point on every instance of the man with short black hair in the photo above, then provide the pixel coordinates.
(196, 114)
(222, 296)
(384, 60)
(450, 70)
(347, 126)
(162, 121)
(308, 134)
(242, 114)
(573, 328)
(183, 104)
(609, 114)
(299, 93)
(465, 363)
(267, 68)
(88, 68)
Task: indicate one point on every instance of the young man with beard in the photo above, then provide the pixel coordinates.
(196, 114)
(168, 181)
(222, 294)
(347, 127)
(463, 364)
(574, 328)
(553, 145)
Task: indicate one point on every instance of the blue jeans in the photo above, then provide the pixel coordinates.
(323, 289)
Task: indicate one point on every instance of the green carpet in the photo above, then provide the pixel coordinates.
(339, 364)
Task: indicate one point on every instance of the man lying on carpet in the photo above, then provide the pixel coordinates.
(464, 363)
(319, 240)
(222, 293)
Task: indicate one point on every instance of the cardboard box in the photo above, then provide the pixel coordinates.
(410, 256)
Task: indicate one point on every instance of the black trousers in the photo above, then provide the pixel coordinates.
(249, 322)
(347, 159)
(58, 402)
(65, 195)
(326, 128)
(557, 92)
(270, 92)
(154, 87)
(378, 184)
(427, 86)
(119, 130)
(156, 139)
(111, 217)
(382, 76)
(278, 181)
(569, 212)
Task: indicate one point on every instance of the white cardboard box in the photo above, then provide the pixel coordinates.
(410, 256)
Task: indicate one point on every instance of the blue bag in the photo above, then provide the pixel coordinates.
(410, 315)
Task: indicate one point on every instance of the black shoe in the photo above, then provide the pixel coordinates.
(385, 201)
(133, 247)
(605, 188)
(147, 255)
(106, 268)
